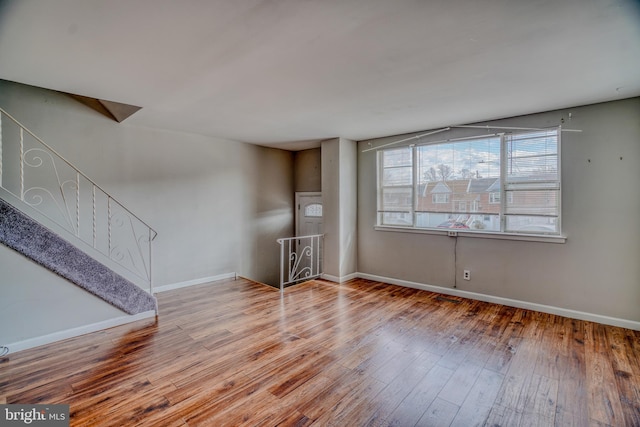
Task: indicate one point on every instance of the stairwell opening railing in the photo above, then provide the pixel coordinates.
(300, 258)
(38, 176)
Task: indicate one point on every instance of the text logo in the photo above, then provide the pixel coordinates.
(34, 415)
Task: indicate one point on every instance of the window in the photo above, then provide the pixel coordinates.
(495, 197)
(395, 195)
(440, 198)
(463, 184)
(313, 210)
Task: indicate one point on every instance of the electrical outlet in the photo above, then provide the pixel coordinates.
(452, 233)
(466, 275)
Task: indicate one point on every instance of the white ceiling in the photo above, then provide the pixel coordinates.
(288, 73)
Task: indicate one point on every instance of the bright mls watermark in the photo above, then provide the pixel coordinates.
(36, 415)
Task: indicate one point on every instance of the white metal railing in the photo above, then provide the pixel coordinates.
(300, 258)
(37, 175)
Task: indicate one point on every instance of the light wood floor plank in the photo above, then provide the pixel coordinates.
(362, 353)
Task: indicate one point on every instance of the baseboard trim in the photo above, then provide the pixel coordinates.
(339, 279)
(565, 312)
(76, 332)
(194, 282)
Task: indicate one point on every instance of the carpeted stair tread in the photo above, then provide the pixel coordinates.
(43, 246)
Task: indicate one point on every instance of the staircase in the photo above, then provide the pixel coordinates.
(55, 215)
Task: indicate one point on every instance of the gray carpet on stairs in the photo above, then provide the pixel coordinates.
(43, 246)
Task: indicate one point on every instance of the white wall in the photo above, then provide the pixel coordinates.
(596, 271)
(217, 205)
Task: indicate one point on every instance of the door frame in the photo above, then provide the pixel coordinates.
(298, 194)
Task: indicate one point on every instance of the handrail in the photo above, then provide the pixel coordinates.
(77, 170)
(40, 177)
(302, 261)
(283, 239)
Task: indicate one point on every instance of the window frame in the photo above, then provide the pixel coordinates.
(380, 187)
(498, 195)
(505, 198)
(438, 200)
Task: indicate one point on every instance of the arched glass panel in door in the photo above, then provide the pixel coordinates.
(313, 210)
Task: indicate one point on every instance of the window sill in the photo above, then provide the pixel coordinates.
(475, 234)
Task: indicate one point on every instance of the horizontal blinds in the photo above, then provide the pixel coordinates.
(395, 197)
(507, 182)
(532, 182)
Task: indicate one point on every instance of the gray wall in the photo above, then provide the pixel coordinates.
(307, 170)
(217, 205)
(331, 205)
(348, 189)
(35, 302)
(339, 198)
(596, 271)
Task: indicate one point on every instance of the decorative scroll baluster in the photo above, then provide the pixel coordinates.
(318, 255)
(0, 150)
(281, 268)
(291, 254)
(301, 256)
(44, 181)
(21, 164)
(109, 224)
(150, 258)
(77, 204)
(93, 203)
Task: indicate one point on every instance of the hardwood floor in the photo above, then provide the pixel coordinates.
(357, 354)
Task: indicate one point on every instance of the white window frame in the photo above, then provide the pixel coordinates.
(380, 193)
(505, 198)
(437, 199)
(493, 194)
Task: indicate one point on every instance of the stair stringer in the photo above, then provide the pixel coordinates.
(37, 242)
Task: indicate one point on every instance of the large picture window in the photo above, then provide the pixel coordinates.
(506, 183)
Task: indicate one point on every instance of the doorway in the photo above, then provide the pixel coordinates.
(307, 257)
(309, 219)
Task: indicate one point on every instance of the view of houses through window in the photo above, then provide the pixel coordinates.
(502, 183)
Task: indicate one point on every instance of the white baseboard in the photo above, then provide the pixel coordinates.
(75, 332)
(193, 282)
(565, 312)
(340, 279)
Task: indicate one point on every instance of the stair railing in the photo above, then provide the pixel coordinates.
(38, 176)
(300, 258)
